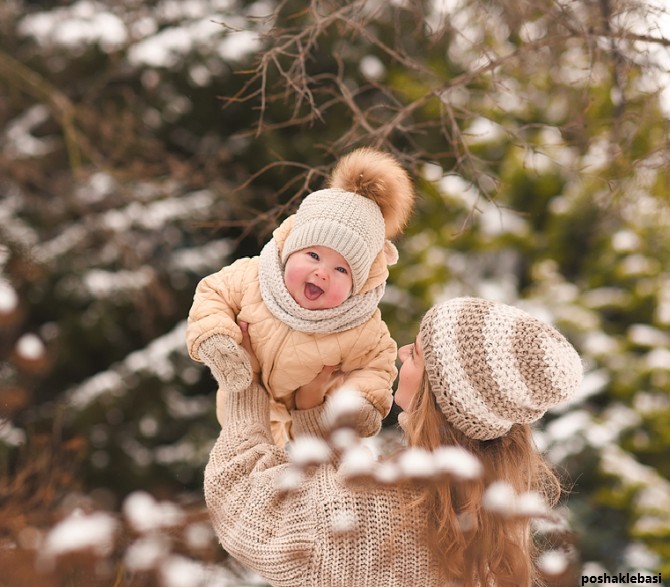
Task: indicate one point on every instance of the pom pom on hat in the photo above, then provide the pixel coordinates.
(380, 178)
(491, 365)
(370, 199)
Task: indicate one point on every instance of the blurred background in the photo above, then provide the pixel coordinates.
(145, 144)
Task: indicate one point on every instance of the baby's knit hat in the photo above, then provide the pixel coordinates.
(350, 224)
(370, 199)
(491, 365)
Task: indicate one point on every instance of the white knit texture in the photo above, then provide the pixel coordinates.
(461, 401)
(292, 531)
(568, 374)
(491, 365)
(501, 359)
(228, 362)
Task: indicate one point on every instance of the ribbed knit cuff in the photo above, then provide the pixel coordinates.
(369, 421)
(319, 421)
(227, 360)
(312, 422)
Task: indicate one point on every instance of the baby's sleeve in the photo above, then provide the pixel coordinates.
(216, 304)
(374, 374)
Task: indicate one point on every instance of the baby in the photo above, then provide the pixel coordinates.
(311, 297)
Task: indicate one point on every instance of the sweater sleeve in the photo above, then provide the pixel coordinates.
(267, 530)
(216, 304)
(318, 421)
(311, 422)
(319, 534)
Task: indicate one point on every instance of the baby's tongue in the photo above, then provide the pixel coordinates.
(312, 291)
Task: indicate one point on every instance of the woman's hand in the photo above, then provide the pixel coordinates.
(312, 394)
(253, 360)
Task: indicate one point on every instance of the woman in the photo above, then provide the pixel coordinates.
(476, 376)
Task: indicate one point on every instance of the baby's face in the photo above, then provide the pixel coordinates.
(318, 278)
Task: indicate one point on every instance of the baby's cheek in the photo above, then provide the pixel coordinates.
(290, 281)
(341, 294)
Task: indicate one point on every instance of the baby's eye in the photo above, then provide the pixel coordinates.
(313, 255)
(342, 270)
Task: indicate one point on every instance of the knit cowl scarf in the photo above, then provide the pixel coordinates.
(355, 310)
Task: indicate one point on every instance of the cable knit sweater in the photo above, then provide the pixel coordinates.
(298, 538)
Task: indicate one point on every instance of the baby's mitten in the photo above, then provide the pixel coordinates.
(228, 362)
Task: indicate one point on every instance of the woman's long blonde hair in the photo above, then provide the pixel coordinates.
(474, 547)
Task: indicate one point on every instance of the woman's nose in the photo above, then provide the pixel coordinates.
(403, 353)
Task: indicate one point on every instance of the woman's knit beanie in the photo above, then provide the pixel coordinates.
(370, 199)
(491, 365)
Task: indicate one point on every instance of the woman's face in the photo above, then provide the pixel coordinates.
(411, 373)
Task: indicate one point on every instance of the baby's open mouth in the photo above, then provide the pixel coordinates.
(312, 292)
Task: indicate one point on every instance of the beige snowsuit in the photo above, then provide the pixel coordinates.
(288, 358)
